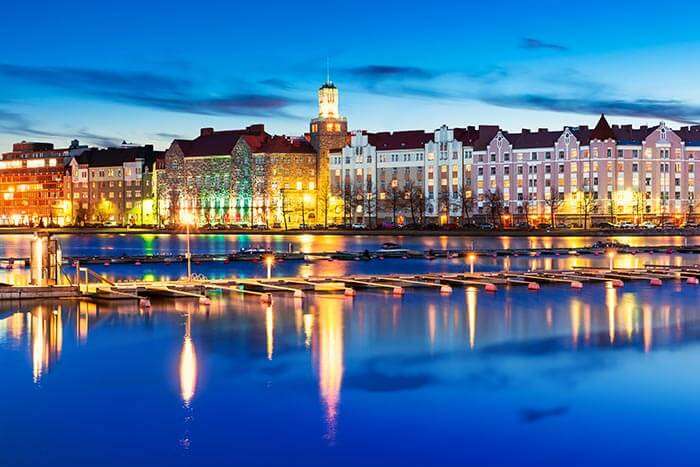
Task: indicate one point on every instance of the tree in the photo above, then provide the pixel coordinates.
(690, 209)
(285, 207)
(639, 199)
(444, 202)
(349, 202)
(493, 202)
(612, 208)
(587, 205)
(81, 215)
(554, 202)
(323, 198)
(466, 201)
(416, 202)
(395, 201)
(526, 211)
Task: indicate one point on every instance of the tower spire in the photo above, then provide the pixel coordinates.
(328, 70)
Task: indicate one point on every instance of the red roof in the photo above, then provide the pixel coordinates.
(212, 143)
(413, 139)
(602, 130)
(283, 144)
(542, 138)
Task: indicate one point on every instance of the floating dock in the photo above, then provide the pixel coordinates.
(396, 284)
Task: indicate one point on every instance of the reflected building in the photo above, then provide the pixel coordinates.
(188, 365)
(46, 329)
(328, 353)
(471, 314)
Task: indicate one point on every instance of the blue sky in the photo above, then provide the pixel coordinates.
(147, 72)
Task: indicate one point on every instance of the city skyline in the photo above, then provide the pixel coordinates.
(116, 75)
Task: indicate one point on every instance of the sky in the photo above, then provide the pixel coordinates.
(148, 72)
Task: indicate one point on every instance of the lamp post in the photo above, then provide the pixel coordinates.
(611, 256)
(187, 218)
(269, 261)
(472, 257)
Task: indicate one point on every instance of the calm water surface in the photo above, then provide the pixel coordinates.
(117, 245)
(599, 376)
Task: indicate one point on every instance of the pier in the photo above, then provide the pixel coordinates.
(89, 285)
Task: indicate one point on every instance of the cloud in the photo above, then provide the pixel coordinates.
(17, 124)
(644, 108)
(165, 135)
(530, 43)
(386, 72)
(528, 415)
(148, 90)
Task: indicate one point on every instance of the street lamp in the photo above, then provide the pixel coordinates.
(188, 219)
(269, 261)
(611, 256)
(472, 257)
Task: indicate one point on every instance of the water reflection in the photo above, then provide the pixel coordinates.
(328, 349)
(471, 314)
(402, 361)
(188, 365)
(269, 331)
(46, 339)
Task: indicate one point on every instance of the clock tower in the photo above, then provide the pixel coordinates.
(328, 132)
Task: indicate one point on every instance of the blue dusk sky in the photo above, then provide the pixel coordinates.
(147, 72)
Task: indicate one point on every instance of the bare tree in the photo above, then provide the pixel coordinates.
(350, 199)
(444, 202)
(416, 202)
(554, 202)
(323, 198)
(587, 205)
(612, 208)
(466, 200)
(526, 211)
(638, 207)
(395, 201)
(690, 209)
(493, 202)
(285, 207)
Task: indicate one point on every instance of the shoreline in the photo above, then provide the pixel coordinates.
(369, 233)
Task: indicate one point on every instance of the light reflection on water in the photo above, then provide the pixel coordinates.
(17, 246)
(374, 376)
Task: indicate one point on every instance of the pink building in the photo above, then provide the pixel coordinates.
(485, 173)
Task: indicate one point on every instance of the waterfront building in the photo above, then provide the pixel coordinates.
(239, 177)
(32, 188)
(479, 174)
(113, 185)
(328, 132)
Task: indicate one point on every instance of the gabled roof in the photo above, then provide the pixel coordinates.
(213, 143)
(467, 136)
(397, 140)
(543, 138)
(283, 144)
(113, 157)
(486, 134)
(602, 130)
(690, 134)
(625, 134)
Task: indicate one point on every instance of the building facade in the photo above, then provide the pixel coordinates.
(113, 186)
(488, 174)
(32, 185)
(245, 177)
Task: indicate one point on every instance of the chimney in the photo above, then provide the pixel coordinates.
(257, 128)
(542, 130)
(525, 131)
(206, 132)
